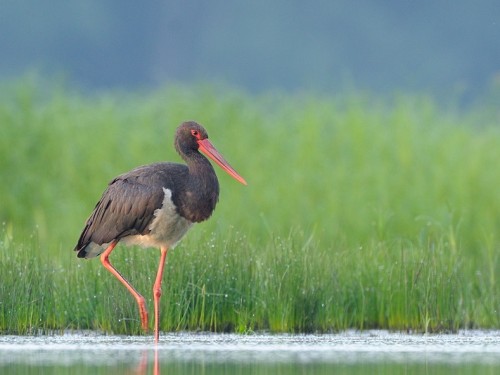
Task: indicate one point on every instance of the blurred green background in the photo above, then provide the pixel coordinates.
(368, 133)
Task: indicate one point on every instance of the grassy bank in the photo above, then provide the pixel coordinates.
(359, 213)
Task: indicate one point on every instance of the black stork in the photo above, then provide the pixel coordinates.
(154, 206)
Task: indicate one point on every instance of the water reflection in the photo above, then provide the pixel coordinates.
(346, 353)
(143, 364)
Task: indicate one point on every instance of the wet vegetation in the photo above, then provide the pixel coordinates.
(360, 212)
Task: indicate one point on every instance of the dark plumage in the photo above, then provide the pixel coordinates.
(154, 205)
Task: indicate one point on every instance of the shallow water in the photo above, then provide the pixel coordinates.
(373, 352)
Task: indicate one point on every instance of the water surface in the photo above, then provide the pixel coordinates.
(372, 352)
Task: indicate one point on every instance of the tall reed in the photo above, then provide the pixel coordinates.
(359, 213)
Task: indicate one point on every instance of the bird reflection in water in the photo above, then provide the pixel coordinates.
(142, 367)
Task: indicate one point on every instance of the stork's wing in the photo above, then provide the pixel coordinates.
(127, 206)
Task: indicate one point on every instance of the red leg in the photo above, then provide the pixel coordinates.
(140, 299)
(157, 291)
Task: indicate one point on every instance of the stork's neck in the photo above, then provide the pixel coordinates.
(199, 166)
(201, 193)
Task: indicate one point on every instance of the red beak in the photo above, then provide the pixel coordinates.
(208, 149)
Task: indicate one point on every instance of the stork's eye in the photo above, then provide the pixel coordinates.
(195, 133)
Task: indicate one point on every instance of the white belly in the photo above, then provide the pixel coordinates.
(166, 229)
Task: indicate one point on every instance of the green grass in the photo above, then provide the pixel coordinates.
(360, 212)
